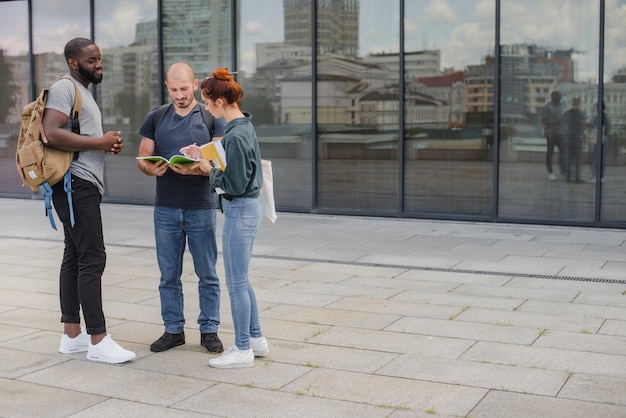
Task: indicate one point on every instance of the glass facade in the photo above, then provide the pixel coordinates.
(421, 108)
(448, 107)
(545, 150)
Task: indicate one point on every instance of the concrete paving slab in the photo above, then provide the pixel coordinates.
(515, 378)
(610, 365)
(118, 381)
(223, 400)
(400, 283)
(18, 363)
(121, 408)
(519, 405)
(392, 342)
(514, 292)
(283, 329)
(393, 307)
(30, 318)
(613, 327)
(614, 299)
(416, 260)
(376, 390)
(583, 340)
(595, 389)
(10, 332)
(574, 309)
(464, 330)
(608, 270)
(455, 277)
(327, 316)
(285, 296)
(30, 400)
(539, 321)
(330, 356)
(459, 300)
(29, 282)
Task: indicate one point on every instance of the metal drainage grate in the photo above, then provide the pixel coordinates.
(398, 266)
(448, 270)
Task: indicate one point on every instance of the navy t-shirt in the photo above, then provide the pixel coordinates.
(173, 133)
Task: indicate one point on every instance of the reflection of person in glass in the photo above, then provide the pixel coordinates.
(606, 130)
(574, 122)
(551, 118)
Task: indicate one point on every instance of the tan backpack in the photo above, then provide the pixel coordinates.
(39, 165)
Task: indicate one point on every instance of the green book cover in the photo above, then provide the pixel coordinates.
(174, 159)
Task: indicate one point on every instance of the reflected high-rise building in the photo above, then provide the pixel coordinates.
(337, 25)
(197, 32)
(529, 73)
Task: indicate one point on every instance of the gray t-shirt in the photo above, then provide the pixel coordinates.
(90, 164)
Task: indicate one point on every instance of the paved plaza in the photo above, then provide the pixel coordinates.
(366, 317)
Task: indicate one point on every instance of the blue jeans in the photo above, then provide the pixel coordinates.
(173, 228)
(84, 255)
(242, 218)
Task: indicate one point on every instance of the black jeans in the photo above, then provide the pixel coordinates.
(84, 256)
(554, 140)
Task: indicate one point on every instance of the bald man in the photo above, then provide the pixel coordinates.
(184, 209)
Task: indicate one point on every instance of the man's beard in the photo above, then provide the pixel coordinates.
(188, 101)
(88, 75)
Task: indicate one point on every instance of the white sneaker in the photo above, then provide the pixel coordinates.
(108, 351)
(78, 344)
(233, 358)
(259, 346)
(551, 176)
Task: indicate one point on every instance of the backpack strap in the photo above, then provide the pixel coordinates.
(67, 178)
(67, 188)
(46, 191)
(206, 116)
(158, 115)
(208, 120)
(75, 112)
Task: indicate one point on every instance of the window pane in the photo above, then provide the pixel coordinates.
(275, 72)
(613, 126)
(126, 33)
(198, 33)
(449, 100)
(53, 27)
(546, 47)
(15, 87)
(358, 105)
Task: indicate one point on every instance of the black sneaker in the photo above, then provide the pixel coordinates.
(211, 342)
(168, 341)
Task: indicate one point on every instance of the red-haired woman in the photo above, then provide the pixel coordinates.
(241, 182)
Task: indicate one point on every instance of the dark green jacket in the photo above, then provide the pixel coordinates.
(243, 175)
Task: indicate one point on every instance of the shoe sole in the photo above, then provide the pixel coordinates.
(232, 366)
(160, 350)
(219, 350)
(109, 360)
(260, 353)
(73, 351)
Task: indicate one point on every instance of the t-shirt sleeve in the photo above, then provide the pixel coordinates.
(147, 128)
(219, 124)
(61, 96)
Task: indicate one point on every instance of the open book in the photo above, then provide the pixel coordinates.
(214, 152)
(174, 159)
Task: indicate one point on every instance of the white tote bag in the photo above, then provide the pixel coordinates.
(267, 193)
